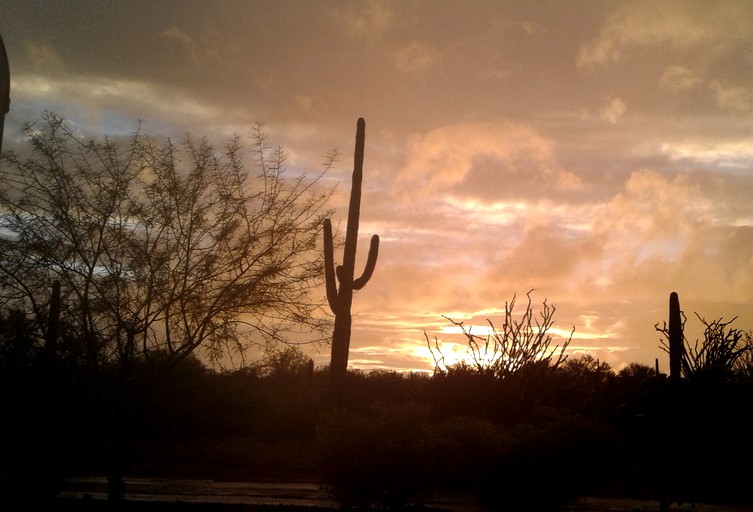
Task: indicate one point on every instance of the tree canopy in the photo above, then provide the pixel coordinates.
(160, 247)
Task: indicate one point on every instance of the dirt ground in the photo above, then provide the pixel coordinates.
(581, 505)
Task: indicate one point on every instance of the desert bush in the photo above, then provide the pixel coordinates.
(391, 455)
(361, 390)
(585, 386)
(521, 341)
(550, 460)
(461, 390)
(723, 351)
(463, 450)
(375, 458)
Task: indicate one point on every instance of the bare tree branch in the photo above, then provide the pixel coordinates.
(163, 247)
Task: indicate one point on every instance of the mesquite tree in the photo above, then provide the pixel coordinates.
(340, 299)
(160, 249)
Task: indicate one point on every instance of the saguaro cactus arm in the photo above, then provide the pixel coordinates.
(329, 266)
(53, 319)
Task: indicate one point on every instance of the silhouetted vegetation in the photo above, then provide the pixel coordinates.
(522, 343)
(534, 439)
(390, 439)
(697, 419)
(85, 386)
(121, 259)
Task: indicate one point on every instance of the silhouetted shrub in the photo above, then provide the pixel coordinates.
(377, 457)
(550, 460)
(463, 452)
(586, 386)
(723, 352)
(684, 440)
(631, 381)
(521, 341)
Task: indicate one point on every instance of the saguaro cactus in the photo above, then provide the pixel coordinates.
(676, 345)
(53, 320)
(4, 88)
(341, 298)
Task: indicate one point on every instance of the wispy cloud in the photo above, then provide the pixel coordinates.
(708, 28)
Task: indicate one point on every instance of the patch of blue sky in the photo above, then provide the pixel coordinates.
(729, 157)
(665, 248)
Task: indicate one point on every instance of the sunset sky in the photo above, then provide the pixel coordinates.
(599, 152)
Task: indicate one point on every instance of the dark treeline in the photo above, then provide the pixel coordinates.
(542, 436)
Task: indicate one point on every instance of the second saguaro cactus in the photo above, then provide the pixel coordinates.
(4, 88)
(676, 345)
(340, 298)
(53, 319)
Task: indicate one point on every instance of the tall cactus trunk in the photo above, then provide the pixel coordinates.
(340, 345)
(676, 345)
(53, 319)
(4, 89)
(340, 299)
(52, 328)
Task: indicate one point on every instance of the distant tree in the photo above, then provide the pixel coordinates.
(587, 365)
(586, 385)
(161, 249)
(19, 345)
(289, 362)
(631, 382)
(636, 372)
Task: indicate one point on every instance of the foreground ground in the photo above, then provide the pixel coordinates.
(582, 505)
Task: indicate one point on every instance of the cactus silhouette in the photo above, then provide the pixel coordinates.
(340, 298)
(53, 319)
(676, 345)
(4, 88)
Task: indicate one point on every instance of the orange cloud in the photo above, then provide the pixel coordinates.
(416, 57)
(700, 26)
(482, 160)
